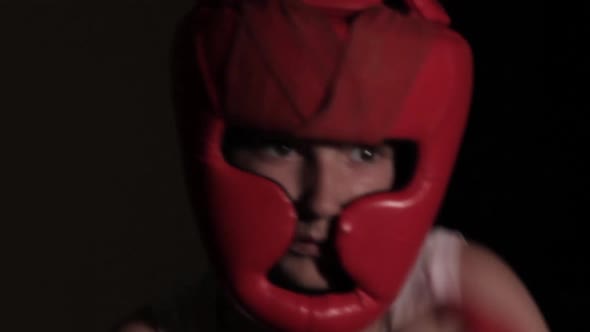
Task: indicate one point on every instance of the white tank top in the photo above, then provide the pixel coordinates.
(434, 279)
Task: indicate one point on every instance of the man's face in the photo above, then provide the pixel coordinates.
(320, 178)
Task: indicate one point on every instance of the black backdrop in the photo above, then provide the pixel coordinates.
(96, 219)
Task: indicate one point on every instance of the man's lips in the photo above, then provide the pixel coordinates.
(301, 248)
(306, 246)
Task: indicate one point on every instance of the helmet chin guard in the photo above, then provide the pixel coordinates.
(250, 222)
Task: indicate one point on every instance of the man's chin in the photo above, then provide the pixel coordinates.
(300, 274)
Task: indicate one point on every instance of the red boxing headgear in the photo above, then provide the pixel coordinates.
(356, 72)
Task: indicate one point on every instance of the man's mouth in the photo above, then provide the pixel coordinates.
(306, 246)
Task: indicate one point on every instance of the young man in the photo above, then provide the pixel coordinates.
(310, 222)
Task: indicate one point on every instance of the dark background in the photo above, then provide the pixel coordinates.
(96, 218)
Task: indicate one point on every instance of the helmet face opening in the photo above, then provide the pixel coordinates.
(314, 175)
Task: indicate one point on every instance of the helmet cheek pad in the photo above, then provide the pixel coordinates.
(251, 221)
(381, 234)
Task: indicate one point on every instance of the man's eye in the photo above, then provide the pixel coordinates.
(364, 154)
(278, 150)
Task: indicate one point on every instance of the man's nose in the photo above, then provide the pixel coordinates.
(324, 186)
